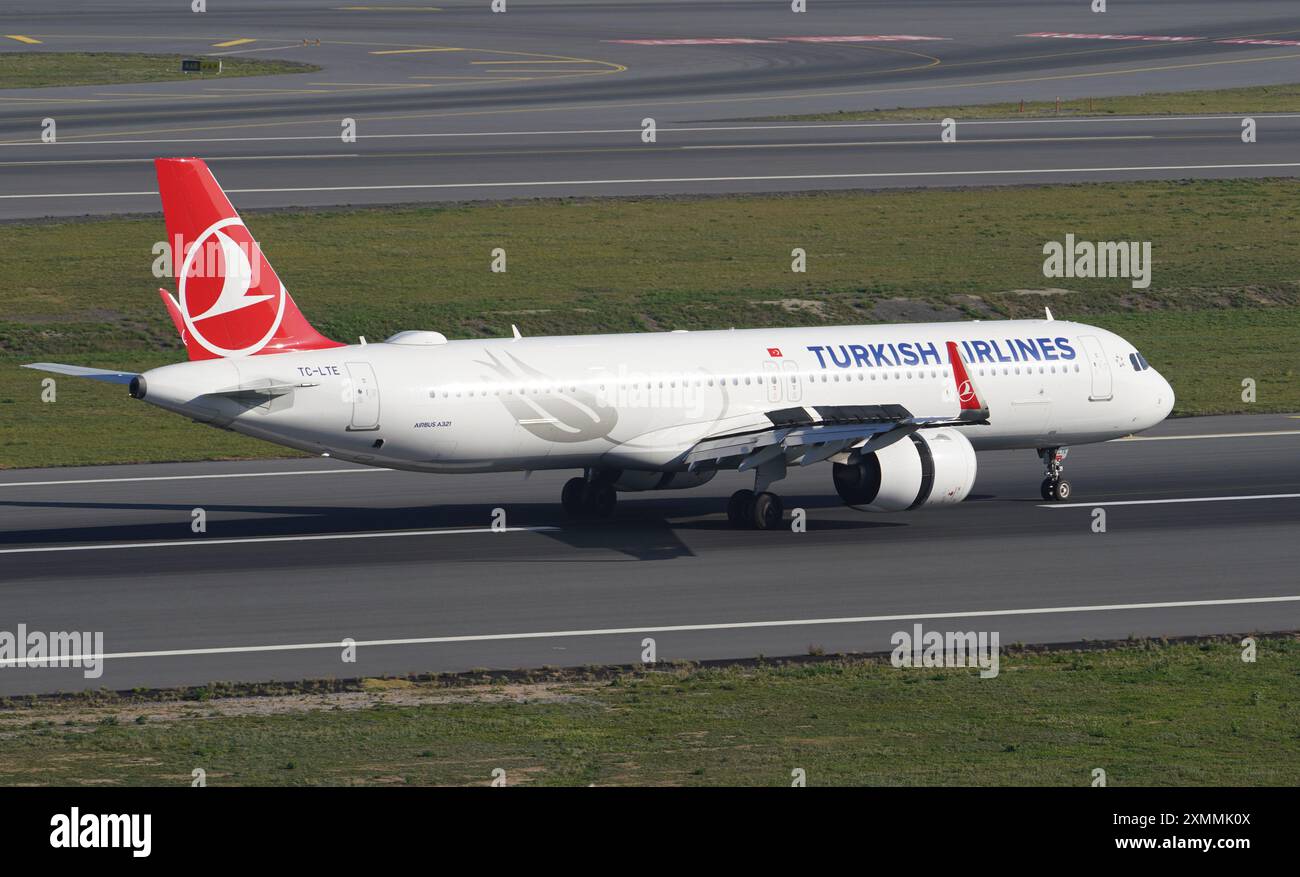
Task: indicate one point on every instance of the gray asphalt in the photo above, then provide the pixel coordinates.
(565, 117)
(668, 560)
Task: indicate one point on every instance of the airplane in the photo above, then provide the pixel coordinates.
(897, 410)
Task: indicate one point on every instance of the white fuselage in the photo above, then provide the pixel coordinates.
(641, 401)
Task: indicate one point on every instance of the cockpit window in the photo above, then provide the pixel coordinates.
(1139, 362)
(1133, 360)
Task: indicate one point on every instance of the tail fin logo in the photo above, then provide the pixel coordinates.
(230, 299)
(965, 392)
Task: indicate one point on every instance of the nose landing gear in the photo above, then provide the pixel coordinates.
(1054, 488)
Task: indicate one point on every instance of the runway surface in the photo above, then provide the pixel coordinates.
(452, 102)
(1201, 519)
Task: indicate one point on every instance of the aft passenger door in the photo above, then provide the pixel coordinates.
(365, 396)
(1099, 369)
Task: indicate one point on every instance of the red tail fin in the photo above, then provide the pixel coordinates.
(230, 301)
(967, 394)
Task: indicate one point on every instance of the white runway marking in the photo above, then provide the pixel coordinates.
(764, 178)
(325, 537)
(1093, 505)
(703, 129)
(190, 477)
(814, 144)
(53, 161)
(1206, 435)
(674, 628)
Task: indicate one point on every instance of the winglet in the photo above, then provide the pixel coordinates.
(968, 395)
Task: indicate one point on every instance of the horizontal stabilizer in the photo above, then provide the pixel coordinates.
(81, 371)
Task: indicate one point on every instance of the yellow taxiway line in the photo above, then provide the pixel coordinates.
(415, 51)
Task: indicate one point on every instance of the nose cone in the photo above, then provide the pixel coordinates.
(1164, 396)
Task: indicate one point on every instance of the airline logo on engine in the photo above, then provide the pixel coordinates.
(231, 301)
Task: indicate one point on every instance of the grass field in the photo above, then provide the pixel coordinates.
(1237, 101)
(1186, 714)
(36, 69)
(1224, 303)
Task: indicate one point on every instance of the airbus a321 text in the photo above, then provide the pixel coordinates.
(897, 410)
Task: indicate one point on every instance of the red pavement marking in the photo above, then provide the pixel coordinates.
(715, 41)
(864, 38)
(1261, 42)
(744, 41)
(1112, 36)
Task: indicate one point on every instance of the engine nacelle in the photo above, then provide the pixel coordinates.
(641, 479)
(930, 467)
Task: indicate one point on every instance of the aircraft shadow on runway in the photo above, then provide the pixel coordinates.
(641, 529)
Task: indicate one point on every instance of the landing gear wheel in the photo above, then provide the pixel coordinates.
(598, 500)
(1054, 487)
(768, 511)
(1054, 490)
(740, 508)
(585, 500)
(571, 497)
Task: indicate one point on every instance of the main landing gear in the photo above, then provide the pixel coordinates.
(1054, 487)
(592, 497)
(759, 509)
(589, 499)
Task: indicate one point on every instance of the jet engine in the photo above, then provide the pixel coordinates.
(931, 467)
